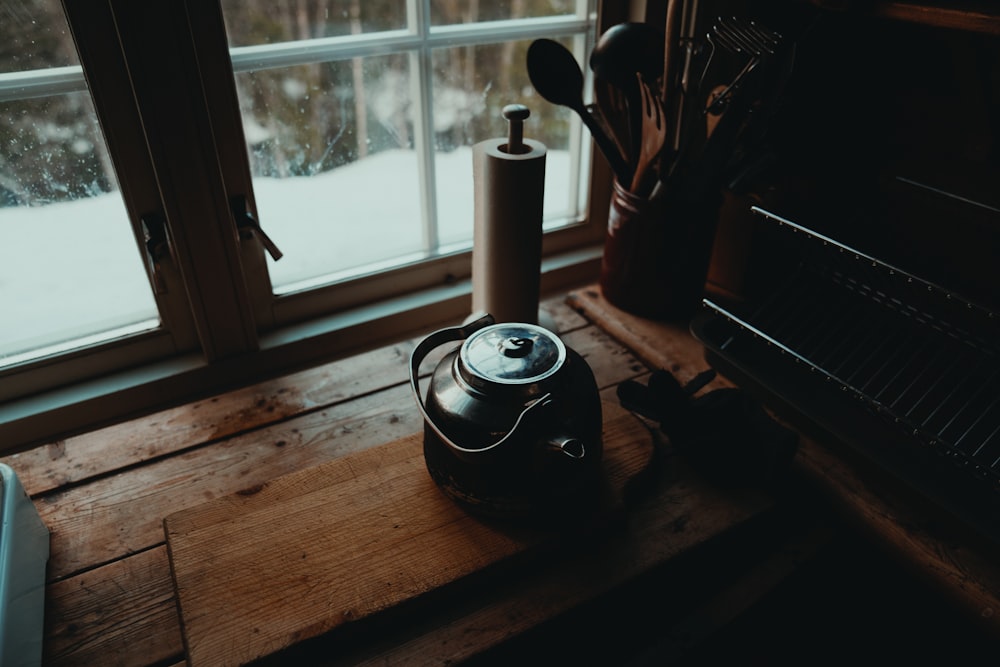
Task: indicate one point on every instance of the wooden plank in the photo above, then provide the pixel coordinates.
(136, 441)
(107, 615)
(659, 345)
(99, 623)
(121, 614)
(701, 626)
(610, 362)
(95, 523)
(116, 515)
(959, 569)
(565, 318)
(675, 516)
(259, 571)
(974, 19)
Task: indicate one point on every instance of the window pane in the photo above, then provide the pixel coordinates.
(70, 268)
(447, 12)
(35, 35)
(362, 160)
(250, 22)
(471, 87)
(336, 178)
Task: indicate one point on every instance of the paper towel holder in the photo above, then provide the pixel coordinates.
(515, 115)
(509, 175)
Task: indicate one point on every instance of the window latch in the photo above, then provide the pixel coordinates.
(246, 223)
(154, 231)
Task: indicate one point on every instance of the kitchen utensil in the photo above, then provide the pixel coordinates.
(654, 133)
(623, 50)
(613, 108)
(512, 418)
(733, 111)
(556, 75)
(671, 91)
(741, 37)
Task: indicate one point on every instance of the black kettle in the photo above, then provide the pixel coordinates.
(512, 419)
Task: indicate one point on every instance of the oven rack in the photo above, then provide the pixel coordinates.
(841, 328)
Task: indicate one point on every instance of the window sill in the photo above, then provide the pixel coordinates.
(75, 408)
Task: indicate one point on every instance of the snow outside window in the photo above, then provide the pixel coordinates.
(360, 117)
(70, 268)
(148, 150)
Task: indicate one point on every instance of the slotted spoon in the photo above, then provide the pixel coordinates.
(654, 138)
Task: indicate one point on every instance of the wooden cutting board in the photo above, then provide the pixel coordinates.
(268, 567)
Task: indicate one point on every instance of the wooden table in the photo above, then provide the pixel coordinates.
(699, 553)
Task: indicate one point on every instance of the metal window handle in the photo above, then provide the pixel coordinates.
(157, 245)
(245, 220)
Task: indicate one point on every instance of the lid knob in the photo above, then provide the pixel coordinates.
(516, 347)
(511, 353)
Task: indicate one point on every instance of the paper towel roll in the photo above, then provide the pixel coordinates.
(509, 192)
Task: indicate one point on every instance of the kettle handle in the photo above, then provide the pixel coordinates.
(441, 337)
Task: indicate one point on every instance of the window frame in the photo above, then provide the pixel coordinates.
(236, 331)
(418, 39)
(122, 130)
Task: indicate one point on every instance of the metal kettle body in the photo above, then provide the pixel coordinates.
(512, 419)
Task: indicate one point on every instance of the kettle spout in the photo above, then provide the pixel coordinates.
(568, 445)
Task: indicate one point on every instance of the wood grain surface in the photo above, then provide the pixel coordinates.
(278, 563)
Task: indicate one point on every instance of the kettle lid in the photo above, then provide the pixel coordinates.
(512, 353)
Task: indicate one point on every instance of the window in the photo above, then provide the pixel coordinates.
(72, 278)
(145, 198)
(344, 103)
